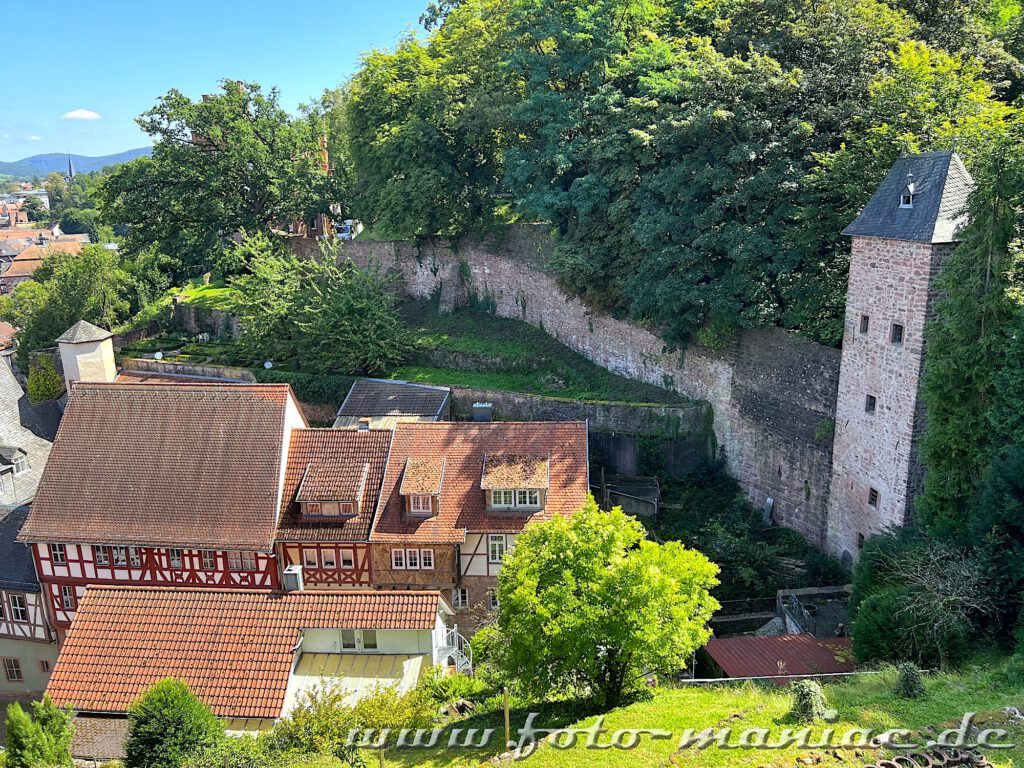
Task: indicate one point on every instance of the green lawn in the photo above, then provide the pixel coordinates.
(531, 361)
(867, 701)
(214, 295)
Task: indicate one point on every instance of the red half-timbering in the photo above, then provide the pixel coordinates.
(329, 565)
(66, 570)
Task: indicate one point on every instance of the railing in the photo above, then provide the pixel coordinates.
(459, 650)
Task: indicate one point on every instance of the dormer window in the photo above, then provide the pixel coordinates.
(515, 481)
(335, 492)
(907, 196)
(421, 486)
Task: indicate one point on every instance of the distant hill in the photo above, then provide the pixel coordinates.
(40, 165)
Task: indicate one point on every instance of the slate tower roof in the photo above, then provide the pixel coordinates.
(939, 186)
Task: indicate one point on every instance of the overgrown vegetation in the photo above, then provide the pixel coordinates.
(707, 511)
(41, 737)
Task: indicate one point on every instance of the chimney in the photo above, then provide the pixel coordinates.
(483, 412)
(364, 424)
(87, 354)
(292, 581)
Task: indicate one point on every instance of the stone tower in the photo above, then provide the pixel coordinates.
(899, 243)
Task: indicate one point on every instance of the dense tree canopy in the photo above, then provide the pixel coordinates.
(697, 162)
(233, 161)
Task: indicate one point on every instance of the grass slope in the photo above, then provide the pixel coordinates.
(866, 701)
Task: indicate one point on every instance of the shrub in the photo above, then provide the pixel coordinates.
(386, 707)
(809, 702)
(166, 725)
(909, 684)
(442, 689)
(42, 738)
(321, 388)
(44, 383)
(318, 724)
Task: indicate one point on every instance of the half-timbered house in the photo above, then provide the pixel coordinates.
(456, 495)
(330, 493)
(162, 484)
(28, 647)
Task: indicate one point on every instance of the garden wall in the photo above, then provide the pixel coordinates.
(773, 396)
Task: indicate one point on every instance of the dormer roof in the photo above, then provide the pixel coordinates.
(515, 470)
(422, 477)
(941, 187)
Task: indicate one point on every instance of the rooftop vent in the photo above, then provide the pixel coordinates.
(483, 412)
(292, 581)
(364, 425)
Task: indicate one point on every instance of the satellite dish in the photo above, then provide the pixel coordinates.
(269, 364)
(159, 355)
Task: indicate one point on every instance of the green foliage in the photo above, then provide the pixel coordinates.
(318, 314)
(166, 725)
(917, 600)
(967, 347)
(442, 688)
(707, 511)
(257, 166)
(388, 708)
(40, 739)
(809, 703)
(44, 383)
(588, 605)
(322, 388)
(909, 683)
(91, 286)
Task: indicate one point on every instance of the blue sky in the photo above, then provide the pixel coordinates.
(114, 58)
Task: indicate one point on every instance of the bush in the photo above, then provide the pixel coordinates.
(318, 724)
(809, 702)
(909, 684)
(42, 738)
(320, 388)
(443, 689)
(166, 725)
(44, 383)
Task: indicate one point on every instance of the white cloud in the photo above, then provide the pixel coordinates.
(80, 114)
(33, 138)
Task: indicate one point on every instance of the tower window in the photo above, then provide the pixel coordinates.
(869, 404)
(860, 541)
(907, 200)
(865, 321)
(896, 334)
(873, 498)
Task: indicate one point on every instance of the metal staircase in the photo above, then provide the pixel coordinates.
(457, 648)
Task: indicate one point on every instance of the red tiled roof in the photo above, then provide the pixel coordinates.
(184, 465)
(463, 446)
(233, 648)
(336, 457)
(7, 333)
(757, 656)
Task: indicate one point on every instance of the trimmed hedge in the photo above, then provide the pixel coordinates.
(319, 388)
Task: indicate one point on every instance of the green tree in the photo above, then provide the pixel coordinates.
(44, 383)
(65, 289)
(257, 166)
(35, 210)
(320, 315)
(967, 344)
(40, 739)
(166, 725)
(588, 605)
(56, 187)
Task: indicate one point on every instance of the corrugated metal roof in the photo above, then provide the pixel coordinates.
(757, 656)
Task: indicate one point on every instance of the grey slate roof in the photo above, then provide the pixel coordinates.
(383, 397)
(20, 428)
(16, 568)
(942, 186)
(83, 331)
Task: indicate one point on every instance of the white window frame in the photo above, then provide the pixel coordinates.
(209, 560)
(492, 600)
(348, 559)
(328, 554)
(398, 560)
(21, 465)
(120, 556)
(492, 540)
(248, 561)
(135, 557)
(362, 640)
(421, 505)
(503, 497)
(68, 598)
(13, 671)
(460, 597)
(347, 508)
(179, 557)
(101, 556)
(308, 561)
(58, 554)
(907, 200)
(235, 561)
(412, 559)
(19, 609)
(426, 559)
(355, 642)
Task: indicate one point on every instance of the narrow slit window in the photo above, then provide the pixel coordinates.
(870, 403)
(873, 498)
(896, 335)
(865, 323)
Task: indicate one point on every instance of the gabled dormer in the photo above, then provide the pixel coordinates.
(334, 491)
(515, 482)
(420, 488)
